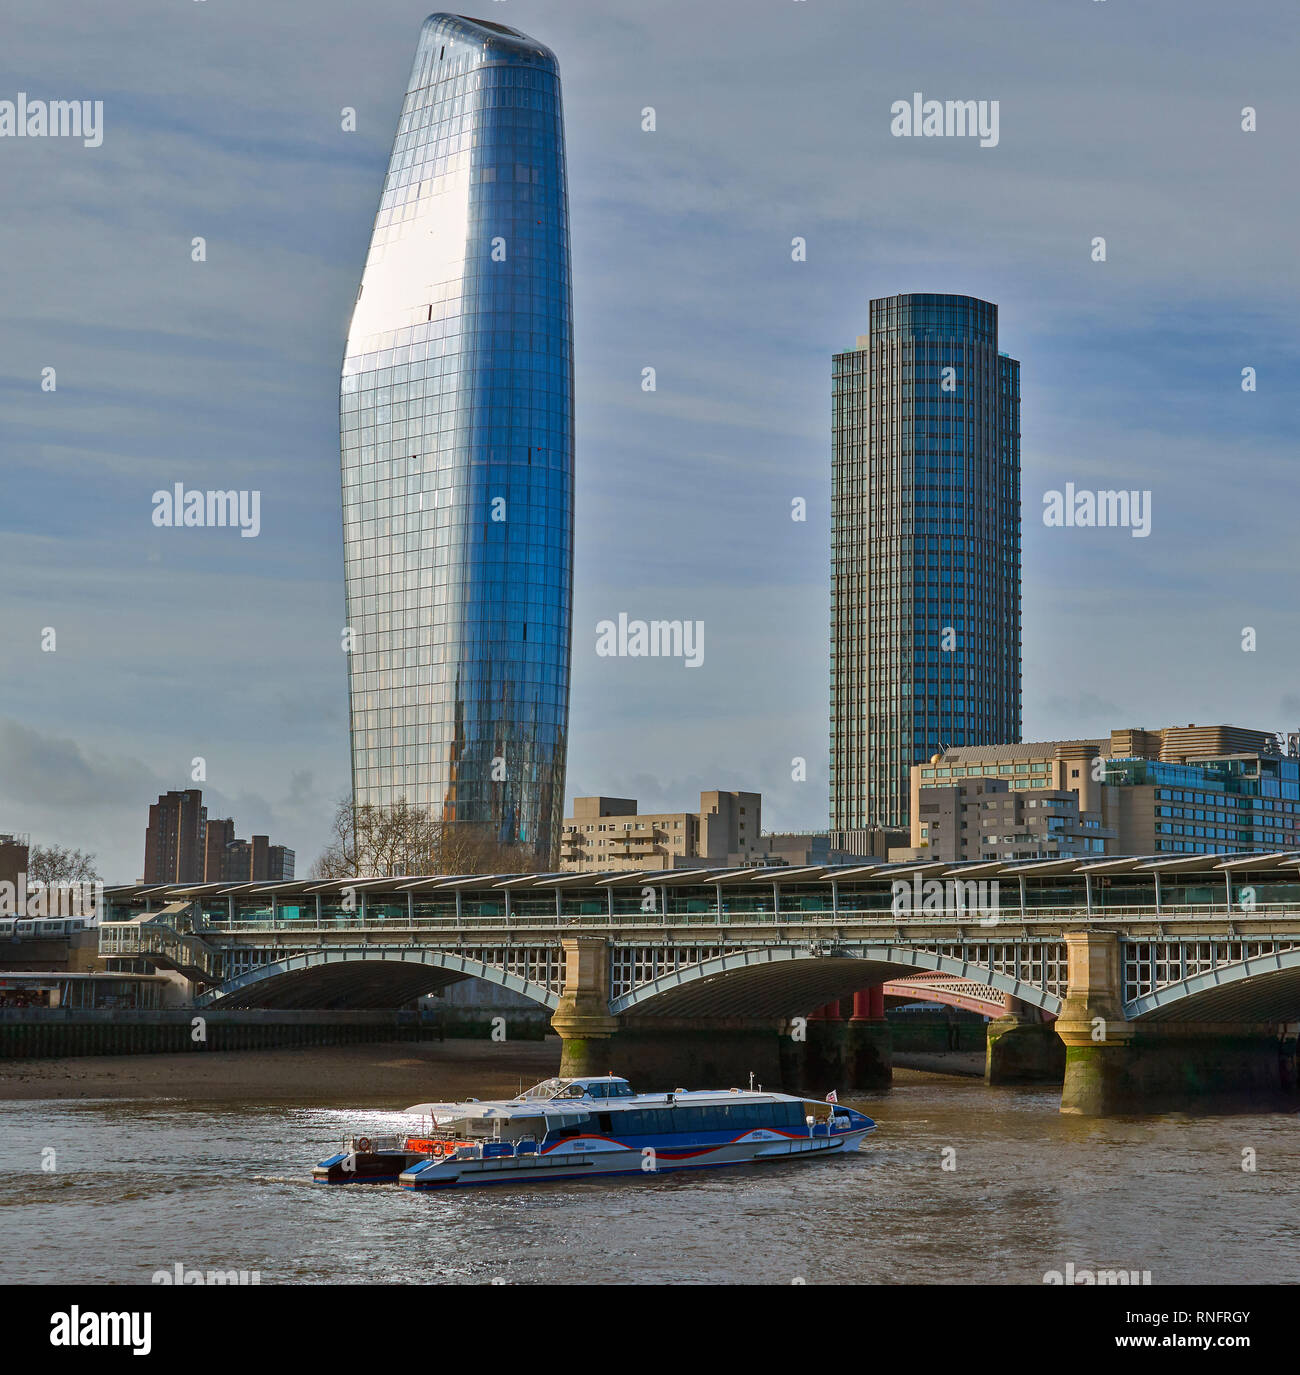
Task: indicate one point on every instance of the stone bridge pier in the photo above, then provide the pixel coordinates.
(1116, 1066)
(1023, 1047)
(842, 1045)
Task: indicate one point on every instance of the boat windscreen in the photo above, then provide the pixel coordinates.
(548, 1088)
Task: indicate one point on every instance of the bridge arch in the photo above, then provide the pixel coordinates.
(1265, 988)
(372, 977)
(776, 982)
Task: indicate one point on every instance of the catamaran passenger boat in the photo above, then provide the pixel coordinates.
(585, 1128)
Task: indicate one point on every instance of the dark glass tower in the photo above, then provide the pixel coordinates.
(925, 521)
(457, 443)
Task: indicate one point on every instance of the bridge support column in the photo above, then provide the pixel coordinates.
(827, 1063)
(1098, 1041)
(1022, 1048)
(582, 1020)
(871, 1042)
(847, 1053)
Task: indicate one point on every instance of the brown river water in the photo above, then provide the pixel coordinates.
(960, 1184)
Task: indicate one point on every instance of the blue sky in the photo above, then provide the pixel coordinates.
(222, 119)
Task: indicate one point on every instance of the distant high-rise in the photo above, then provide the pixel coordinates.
(174, 838)
(457, 447)
(181, 845)
(255, 861)
(925, 520)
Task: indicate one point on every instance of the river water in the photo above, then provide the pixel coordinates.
(141, 1186)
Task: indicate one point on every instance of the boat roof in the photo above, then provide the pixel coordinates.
(579, 1108)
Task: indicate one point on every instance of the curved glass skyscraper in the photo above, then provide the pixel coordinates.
(925, 529)
(457, 445)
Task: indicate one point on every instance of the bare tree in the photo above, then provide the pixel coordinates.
(58, 864)
(378, 842)
(464, 848)
(386, 842)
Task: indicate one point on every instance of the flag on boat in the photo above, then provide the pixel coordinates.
(832, 1097)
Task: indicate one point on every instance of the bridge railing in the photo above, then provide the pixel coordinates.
(871, 917)
(134, 940)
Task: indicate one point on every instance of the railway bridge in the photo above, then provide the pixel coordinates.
(1139, 983)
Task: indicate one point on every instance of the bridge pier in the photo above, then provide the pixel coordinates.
(1022, 1048)
(847, 1053)
(582, 1019)
(871, 1040)
(1115, 1067)
(1098, 1039)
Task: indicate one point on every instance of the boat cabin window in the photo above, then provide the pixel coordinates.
(592, 1088)
(609, 1088)
(734, 1118)
(573, 1129)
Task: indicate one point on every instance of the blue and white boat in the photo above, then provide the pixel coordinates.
(586, 1128)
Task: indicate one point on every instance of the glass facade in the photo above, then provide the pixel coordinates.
(1239, 804)
(925, 530)
(456, 418)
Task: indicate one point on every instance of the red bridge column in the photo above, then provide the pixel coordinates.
(869, 1004)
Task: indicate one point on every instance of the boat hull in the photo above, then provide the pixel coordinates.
(567, 1162)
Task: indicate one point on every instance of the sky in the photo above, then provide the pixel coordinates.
(222, 119)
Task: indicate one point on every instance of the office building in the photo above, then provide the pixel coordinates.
(925, 517)
(989, 818)
(1180, 790)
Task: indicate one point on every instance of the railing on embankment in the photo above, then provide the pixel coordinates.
(32, 1033)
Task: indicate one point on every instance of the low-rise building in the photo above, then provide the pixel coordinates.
(1183, 789)
(831, 847)
(986, 818)
(609, 833)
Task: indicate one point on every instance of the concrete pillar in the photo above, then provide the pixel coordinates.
(1097, 1038)
(582, 1020)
